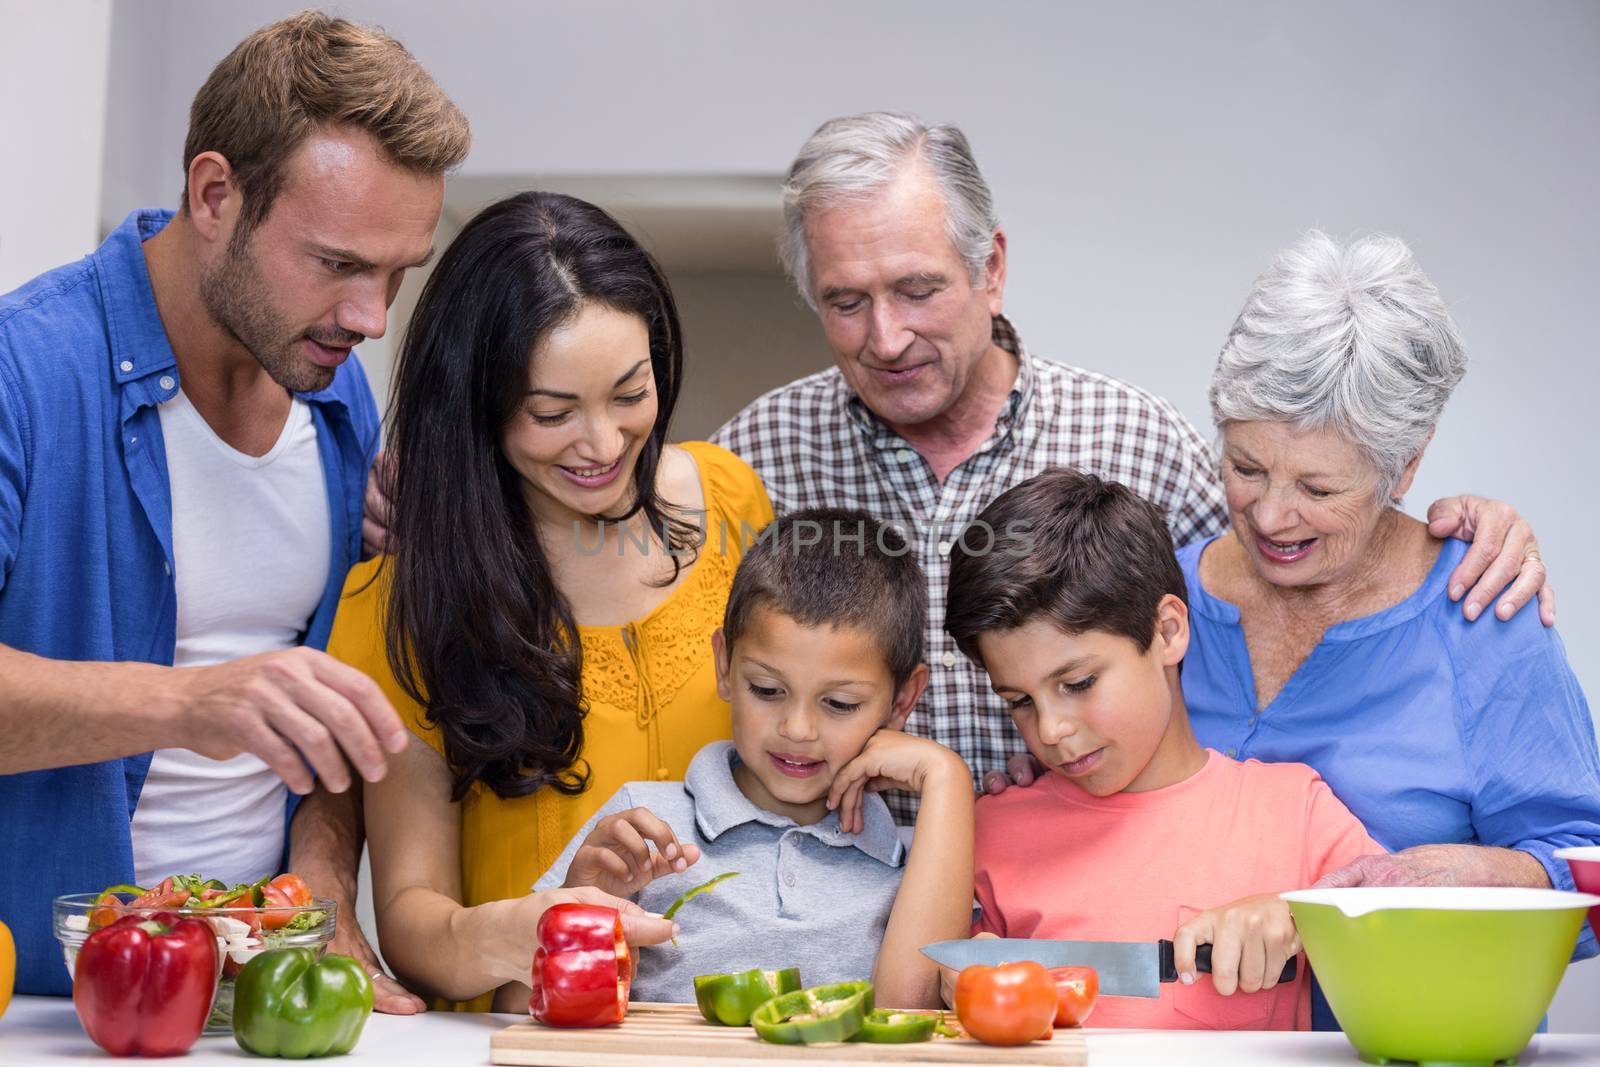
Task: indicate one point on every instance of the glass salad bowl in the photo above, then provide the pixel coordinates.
(242, 934)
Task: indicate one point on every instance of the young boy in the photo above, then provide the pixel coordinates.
(1136, 833)
(820, 658)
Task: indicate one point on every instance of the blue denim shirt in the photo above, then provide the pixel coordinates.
(86, 547)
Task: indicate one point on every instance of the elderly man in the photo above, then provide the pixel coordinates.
(935, 406)
(184, 445)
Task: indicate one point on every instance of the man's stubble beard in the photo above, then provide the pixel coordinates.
(238, 301)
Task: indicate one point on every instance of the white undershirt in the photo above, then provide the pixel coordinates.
(251, 553)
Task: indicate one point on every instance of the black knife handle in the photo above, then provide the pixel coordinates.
(1202, 963)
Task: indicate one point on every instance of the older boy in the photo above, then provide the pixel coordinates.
(1083, 637)
(820, 657)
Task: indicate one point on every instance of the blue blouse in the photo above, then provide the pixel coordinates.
(1430, 728)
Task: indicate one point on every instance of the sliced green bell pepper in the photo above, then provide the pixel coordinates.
(730, 999)
(288, 1003)
(897, 1027)
(814, 1016)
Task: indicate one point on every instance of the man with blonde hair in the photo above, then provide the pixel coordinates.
(185, 436)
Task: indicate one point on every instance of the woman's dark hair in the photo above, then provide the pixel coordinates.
(1100, 559)
(477, 630)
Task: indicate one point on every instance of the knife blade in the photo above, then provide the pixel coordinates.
(1126, 968)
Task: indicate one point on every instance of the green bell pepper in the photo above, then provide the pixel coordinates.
(814, 1016)
(730, 999)
(287, 1003)
(897, 1027)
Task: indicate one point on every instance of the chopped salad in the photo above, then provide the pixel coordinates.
(247, 917)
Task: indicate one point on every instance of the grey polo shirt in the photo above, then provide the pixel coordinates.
(806, 896)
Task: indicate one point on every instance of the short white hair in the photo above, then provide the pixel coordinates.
(1352, 339)
(852, 159)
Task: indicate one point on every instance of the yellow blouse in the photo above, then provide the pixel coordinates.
(650, 686)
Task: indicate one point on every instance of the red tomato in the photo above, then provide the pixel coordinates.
(1011, 1004)
(164, 895)
(284, 891)
(1076, 988)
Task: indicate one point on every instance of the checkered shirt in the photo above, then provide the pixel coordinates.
(815, 444)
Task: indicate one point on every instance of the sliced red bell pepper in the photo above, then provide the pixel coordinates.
(581, 969)
(143, 985)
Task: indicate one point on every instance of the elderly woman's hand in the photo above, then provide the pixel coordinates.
(1442, 865)
(1503, 549)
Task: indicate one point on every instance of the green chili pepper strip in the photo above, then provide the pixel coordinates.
(690, 894)
(119, 889)
(944, 1029)
(815, 1016)
(897, 1027)
(730, 999)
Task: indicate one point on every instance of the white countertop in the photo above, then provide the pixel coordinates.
(45, 1030)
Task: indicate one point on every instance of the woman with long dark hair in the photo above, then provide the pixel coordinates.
(545, 621)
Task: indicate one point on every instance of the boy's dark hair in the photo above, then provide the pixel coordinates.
(835, 567)
(1101, 559)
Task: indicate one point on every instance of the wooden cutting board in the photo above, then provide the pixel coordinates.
(675, 1034)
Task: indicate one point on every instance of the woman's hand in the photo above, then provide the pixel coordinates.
(617, 858)
(1250, 939)
(1442, 865)
(891, 759)
(516, 936)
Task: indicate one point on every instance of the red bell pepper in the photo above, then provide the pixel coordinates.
(143, 985)
(581, 969)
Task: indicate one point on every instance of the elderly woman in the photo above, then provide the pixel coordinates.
(1322, 628)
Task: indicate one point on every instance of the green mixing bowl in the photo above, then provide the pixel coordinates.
(1439, 975)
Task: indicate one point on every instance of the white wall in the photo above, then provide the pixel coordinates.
(1148, 159)
(53, 82)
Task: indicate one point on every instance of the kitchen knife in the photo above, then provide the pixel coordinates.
(1126, 968)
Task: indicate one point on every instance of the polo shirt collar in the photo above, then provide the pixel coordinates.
(719, 806)
(1005, 336)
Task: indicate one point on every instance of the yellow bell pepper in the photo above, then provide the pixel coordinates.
(8, 966)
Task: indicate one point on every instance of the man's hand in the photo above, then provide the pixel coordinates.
(290, 708)
(1250, 939)
(1504, 553)
(379, 511)
(1021, 770)
(389, 997)
(891, 759)
(1442, 865)
(616, 857)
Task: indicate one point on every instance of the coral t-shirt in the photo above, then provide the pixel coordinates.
(1055, 862)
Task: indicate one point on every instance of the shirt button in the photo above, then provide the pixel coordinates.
(944, 548)
(167, 382)
(1230, 753)
(788, 879)
(168, 568)
(126, 365)
(948, 659)
(903, 455)
(662, 774)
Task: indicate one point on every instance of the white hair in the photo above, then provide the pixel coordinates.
(1355, 339)
(855, 157)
